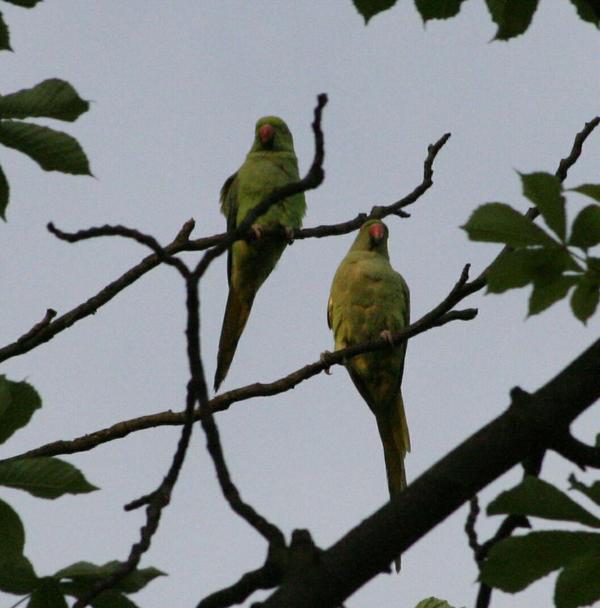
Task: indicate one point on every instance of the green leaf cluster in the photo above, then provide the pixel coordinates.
(4, 33)
(516, 562)
(512, 17)
(52, 150)
(433, 602)
(546, 259)
(47, 478)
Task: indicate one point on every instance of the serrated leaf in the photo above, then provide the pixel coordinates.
(53, 98)
(591, 190)
(579, 583)
(584, 300)
(500, 223)
(44, 477)
(516, 562)
(18, 402)
(370, 8)
(544, 191)
(438, 9)
(47, 595)
(86, 572)
(592, 492)
(4, 35)
(4, 194)
(17, 576)
(512, 17)
(537, 498)
(12, 533)
(546, 293)
(433, 602)
(516, 268)
(52, 150)
(24, 3)
(588, 10)
(585, 232)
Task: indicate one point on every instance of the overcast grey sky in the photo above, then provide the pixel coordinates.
(177, 88)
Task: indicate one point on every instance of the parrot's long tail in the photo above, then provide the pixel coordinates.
(393, 431)
(237, 311)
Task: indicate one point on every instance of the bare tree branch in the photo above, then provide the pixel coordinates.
(522, 431)
(438, 316)
(50, 314)
(181, 243)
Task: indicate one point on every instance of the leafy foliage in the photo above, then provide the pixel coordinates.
(52, 150)
(536, 257)
(512, 17)
(433, 602)
(576, 554)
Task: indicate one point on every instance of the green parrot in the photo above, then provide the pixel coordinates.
(271, 163)
(369, 300)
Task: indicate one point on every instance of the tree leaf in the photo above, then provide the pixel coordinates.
(4, 194)
(433, 602)
(112, 599)
(53, 98)
(52, 150)
(517, 268)
(579, 583)
(17, 575)
(585, 299)
(585, 232)
(588, 10)
(84, 573)
(44, 477)
(537, 498)
(544, 191)
(546, 293)
(438, 9)
(500, 223)
(24, 3)
(18, 402)
(512, 17)
(12, 533)
(516, 562)
(592, 492)
(591, 190)
(4, 35)
(47, 595)
(370, 8)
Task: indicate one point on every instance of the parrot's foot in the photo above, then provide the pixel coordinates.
(289, 234)
(257, 231)
(322, 357)
(386, 334)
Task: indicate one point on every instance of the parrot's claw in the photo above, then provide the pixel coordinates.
(327, 370)
(386, 334)
(257, 231)
(289, 234)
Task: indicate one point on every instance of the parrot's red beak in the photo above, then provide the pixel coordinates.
(377, 232)
(266, 133)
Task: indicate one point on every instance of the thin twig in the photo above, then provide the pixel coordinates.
(129, 233)
(50, 314)
(470, 525)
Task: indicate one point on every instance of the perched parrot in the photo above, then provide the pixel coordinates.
(370, 300)
(271, 163)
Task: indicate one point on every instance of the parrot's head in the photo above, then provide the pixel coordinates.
(372, 236)
(271, 133)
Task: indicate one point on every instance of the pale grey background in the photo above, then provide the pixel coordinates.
(177, 87)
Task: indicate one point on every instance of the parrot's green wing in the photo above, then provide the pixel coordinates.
(270, 164)
(229, 207)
